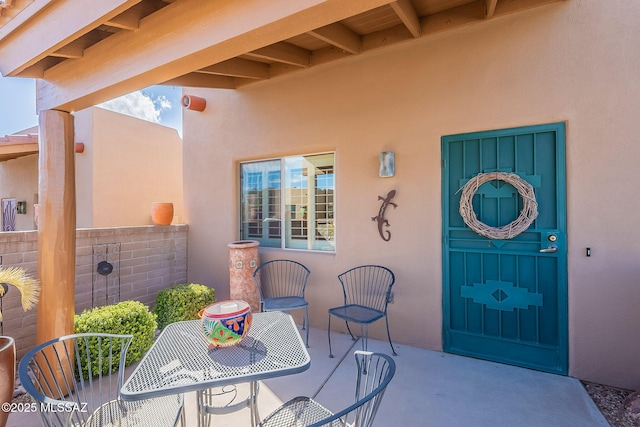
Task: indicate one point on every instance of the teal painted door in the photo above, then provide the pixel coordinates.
(505, 299)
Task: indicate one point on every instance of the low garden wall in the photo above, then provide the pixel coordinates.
(143, 260)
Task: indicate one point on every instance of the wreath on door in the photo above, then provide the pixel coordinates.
(527, 215)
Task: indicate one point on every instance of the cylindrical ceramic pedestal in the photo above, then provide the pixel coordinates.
(7, 374)
(161, 213)
(243, 261)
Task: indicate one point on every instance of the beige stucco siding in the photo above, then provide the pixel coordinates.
(574, 61)
(19, 180)
(128, 163)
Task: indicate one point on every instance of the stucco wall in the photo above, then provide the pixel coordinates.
(573, 61)
(19, 180)
(129, 163)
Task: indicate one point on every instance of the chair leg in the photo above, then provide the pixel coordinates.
(305, 323)
(304, 319)
(349, 329)
(389, 336)
(364, 331)
(329, 335)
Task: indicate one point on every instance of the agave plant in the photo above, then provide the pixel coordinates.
(29, 287)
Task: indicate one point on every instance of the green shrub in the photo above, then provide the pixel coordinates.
(182, 302)
(126, 317)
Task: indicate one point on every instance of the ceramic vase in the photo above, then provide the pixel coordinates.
(243, 261)
(7, 374)
(161, 213)
(226, 323)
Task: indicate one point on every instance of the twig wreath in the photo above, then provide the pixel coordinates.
(527, 215)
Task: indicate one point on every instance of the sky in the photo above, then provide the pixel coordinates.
(157, 104)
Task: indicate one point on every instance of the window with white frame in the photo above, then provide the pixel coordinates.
(289, 202)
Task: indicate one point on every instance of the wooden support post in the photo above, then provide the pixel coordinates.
(56, 225)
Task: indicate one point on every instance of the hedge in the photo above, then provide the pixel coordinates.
(182, 302)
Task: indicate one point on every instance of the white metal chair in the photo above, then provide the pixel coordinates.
(375, 371)
(75, 380)
(367, 292)
(281, 284)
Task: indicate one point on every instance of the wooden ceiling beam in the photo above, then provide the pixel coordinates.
(453, 18)
(513, 6)
(128, 20)
(210, 81)
(69, 51)
(37, 38)
(408, 15)
(283, 52)
(238, 67)
(339, 36)
(491, 8)
(180, 38)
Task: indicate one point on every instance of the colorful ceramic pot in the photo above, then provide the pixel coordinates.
(7, 375)
(226, 323)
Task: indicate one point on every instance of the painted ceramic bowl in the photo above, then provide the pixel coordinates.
(226, 323)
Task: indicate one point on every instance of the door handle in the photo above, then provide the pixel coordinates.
(551, 249)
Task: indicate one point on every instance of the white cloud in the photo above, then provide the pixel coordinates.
(140, 105)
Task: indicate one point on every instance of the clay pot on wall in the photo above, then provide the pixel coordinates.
(161, 213)
(243, 261)
(7, 374)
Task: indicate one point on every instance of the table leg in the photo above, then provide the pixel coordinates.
(255, 417)
(201, 410)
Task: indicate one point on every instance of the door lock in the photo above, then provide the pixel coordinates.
(552, 237)
(551, 249)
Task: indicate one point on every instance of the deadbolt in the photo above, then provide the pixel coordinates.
(552, 237)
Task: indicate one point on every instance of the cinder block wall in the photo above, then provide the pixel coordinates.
(150, 258)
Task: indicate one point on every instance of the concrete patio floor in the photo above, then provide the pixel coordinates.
(429, 388)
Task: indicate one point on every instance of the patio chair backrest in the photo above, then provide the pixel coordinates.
(72, 376)
(375, 371)
(368, 285)
(281, 278)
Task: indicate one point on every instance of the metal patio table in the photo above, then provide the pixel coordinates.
(180, 361)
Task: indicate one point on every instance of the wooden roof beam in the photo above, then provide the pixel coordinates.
(503, 8)
(339, 36)
(283, 52)
(407, 14)
(180, 38)
(491, 8)
(37, 38)
(238, 67)
(69, 51)
(127, 20)
(210, 81)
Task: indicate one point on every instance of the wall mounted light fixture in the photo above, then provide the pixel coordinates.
(387, 164)
(195, 103)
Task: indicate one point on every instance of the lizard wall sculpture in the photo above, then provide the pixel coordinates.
(386, 201)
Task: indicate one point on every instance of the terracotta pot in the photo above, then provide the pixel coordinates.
(161, 213)
(7, 374)
(243, 261)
